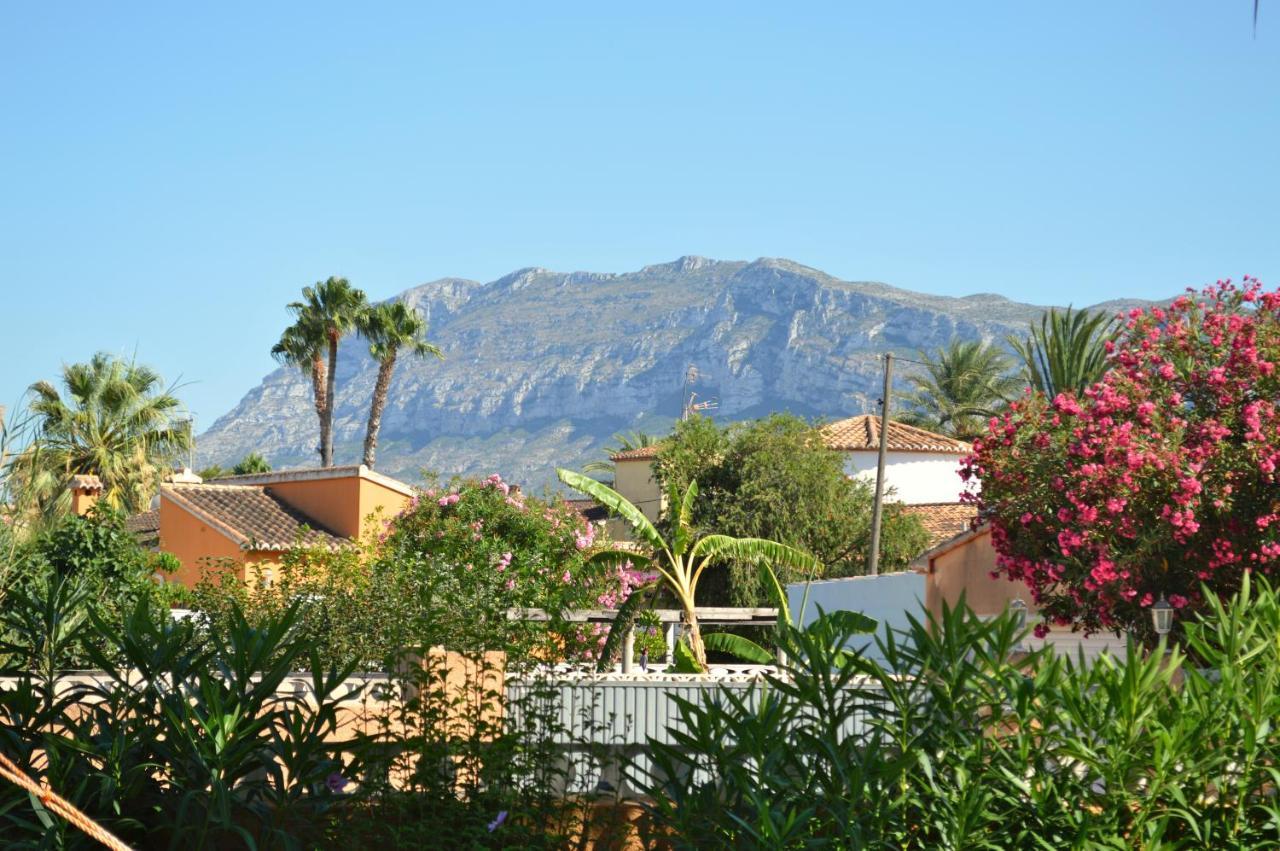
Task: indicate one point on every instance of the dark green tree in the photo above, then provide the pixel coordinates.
(112, 418)
(773, 478)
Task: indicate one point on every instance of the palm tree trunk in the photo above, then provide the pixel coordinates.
(318, 372)
(326, 427)
(380, 388)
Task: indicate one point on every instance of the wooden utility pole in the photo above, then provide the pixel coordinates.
(877, 507)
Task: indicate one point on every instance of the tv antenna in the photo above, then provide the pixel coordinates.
(689, 398)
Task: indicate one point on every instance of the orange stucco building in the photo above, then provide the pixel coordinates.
(248, 522)
(963, 566)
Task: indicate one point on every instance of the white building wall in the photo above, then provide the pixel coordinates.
(911, 477)
(889, 598)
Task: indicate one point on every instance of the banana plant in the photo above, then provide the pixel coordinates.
(681, 559)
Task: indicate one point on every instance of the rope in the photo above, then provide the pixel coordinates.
(60, 805)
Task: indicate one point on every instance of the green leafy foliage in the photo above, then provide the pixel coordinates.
(251, 463)
(1066, 351)
(739, 646)
(962, 387)
(197, 738)
(446, 571)
(773, 479)
(112, 418)
(963, 739)
(106, 563)
(623, 622)
(682, 557)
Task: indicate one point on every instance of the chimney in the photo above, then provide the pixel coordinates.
(85, 490)
(183, 476)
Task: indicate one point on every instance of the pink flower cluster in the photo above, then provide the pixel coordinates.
(1158, 479)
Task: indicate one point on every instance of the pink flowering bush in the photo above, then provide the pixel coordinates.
(1159, 479)
(468, 553)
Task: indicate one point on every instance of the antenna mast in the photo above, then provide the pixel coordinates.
(688, 397)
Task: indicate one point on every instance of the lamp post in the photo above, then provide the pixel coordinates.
(1162, 616)
(1019, 608)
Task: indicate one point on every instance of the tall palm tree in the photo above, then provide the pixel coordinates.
(680, 560)
(333, 308)
(117, 421)
(390, 327)
(622, 442)
(1066, 352)
(303, 345)
(963, 386)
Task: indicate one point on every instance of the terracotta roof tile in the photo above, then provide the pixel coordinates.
(635, 454)
(145, 527)
(147, 521)
(863, 433)
(943, 520)
(252, 515)
(589, 509)
(86, 482)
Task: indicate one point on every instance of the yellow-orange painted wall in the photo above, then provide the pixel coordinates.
(379, 502)
(342, 505)
(262, 562)
(332, 502)
(195, 543)
(966, 569)
(82, 501)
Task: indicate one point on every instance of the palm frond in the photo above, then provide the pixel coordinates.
(616, 503)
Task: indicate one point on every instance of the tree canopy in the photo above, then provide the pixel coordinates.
(112, 418)
(774, 479)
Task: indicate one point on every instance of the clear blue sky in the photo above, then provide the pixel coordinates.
(172, 175)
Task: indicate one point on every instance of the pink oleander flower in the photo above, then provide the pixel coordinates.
(1161, 475)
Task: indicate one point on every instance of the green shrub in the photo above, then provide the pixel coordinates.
(961, 740)
(444, 572)
(104, 559)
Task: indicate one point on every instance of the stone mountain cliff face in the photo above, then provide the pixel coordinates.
(542, 368)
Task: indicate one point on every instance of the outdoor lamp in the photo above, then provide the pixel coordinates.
(1162, 616)
(1019, 609)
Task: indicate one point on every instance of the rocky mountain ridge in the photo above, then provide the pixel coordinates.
(541, 368)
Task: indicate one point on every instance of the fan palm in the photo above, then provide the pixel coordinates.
(623, 442)
(331, 308)
(680, 559)
(251, 463)
(963, 386)
(117, 421)
(1066, 352)
(303, 345)
(390, 327)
